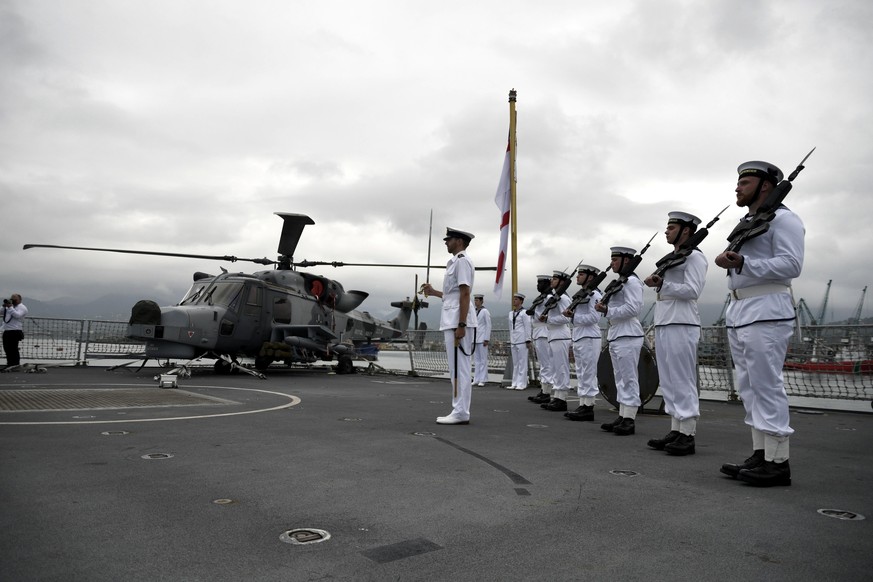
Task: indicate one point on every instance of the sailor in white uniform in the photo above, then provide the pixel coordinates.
(519, 342)
(457, 322)
(677, 333)
(483, 338)
(558, 333)
(625, 337)
(540, 336)
(587, 339)
(760, 322)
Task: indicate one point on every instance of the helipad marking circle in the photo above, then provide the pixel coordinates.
(294, 401)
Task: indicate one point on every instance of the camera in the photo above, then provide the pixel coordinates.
(7, 303)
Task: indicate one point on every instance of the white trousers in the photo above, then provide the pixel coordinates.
(480, 360)
(586, 351)
(519, 364)
(758, 351)
(544, 357)
(462, 388)
(560, 354)
(625, 355)
(676, 347)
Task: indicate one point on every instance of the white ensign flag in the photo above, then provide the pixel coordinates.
(502, 199)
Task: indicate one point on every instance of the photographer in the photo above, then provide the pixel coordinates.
(14, 312)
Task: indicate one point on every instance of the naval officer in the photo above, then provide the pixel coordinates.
(760, 322)
(558, 333)
(540, 336)
(587, 338)
(625, 337)
(519, 342)
(457, 322)
(677, 333)
(483, 337)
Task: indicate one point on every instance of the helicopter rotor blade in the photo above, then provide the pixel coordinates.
(228, 258)
(304, 263)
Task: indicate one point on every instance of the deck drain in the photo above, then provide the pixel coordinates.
(152, 456)
(427, 434)
(114, 432)
(841, 514)
(812, 412)
(538, 426)
(304, 536)
(352, 419)
(498, 410)
(624, 473)
(849, 428)
(223, 501)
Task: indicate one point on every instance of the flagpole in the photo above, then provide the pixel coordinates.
(512, 192)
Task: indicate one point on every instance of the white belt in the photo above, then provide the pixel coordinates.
(665, 297)
(758, 290)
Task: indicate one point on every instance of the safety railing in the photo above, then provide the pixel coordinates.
(830, 361)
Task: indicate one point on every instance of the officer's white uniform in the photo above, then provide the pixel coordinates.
(459, 271)
(519, 336)
(540, 335)
(625, 337)
(677, 333)
(587, 339)
(760, 322)
(480, 353)
(558, 333)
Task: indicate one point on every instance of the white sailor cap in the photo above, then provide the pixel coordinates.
(455, 233)
(764, 170)
(621, 251)
(520, 296)
(479, 296)
(677, 217)
(588, 269)
(560, 275)
(541, 277)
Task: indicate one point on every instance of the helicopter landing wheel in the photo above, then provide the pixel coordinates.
(222, 367)
(262, 363)
(344, 365)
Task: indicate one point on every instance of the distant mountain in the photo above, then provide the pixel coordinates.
(111, 307)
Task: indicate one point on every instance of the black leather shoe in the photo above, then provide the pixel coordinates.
(609, 426)
(542, 398)
(581, 413)
(535, 396)
(625, 428)
(556, 405)
(659, 444)
(683, 445)
(767, 474)
(732, 470)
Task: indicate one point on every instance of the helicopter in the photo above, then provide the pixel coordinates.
(273, 315)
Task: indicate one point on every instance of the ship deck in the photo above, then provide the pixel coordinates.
(105, 476)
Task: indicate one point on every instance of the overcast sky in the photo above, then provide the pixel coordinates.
(182, 126)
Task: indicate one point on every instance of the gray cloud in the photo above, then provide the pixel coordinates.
(127, 125)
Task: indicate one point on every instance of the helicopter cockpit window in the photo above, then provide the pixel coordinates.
(253, 300)
(193, 294)
(225, 294)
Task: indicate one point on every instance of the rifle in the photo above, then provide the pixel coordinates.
(759, 223)
(678, 256)
(584, 293)
(556, 296)
(616, 284)
(539, 299)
